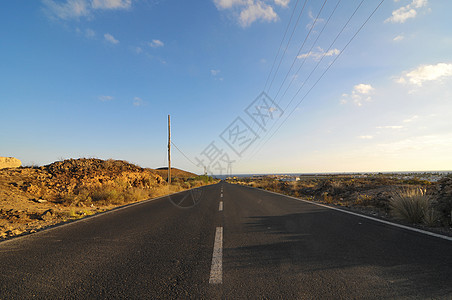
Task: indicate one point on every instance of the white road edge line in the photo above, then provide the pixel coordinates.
(445, 237)
(216, 271)
(220, 208)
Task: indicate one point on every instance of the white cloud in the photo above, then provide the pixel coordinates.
(214, 73)
(138, 50)
(156, 44)
(104, 98)
(390, 127)
(67, 10)
(111, 4)
(137, 101)
(226, 4)
(109, 38)
(419, 3)
(406, 12)
(398, 38)
(250, 11)
(282, 3)
(313, 19)
(364, 89)
(425, 73)
(361, 92)
(365, 137)
(74, 9)
(256, 11)
(89, 33)
(426, 143)
(317, 55)
(410, 119)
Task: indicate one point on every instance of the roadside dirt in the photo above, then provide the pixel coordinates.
(367, 194)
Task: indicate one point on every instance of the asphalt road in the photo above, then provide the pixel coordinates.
(253, 245)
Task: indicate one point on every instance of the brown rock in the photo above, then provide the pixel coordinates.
(47, 215)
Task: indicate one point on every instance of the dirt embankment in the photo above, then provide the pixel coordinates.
(35, 198)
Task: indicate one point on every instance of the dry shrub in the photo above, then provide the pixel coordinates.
(411, 204)
(364, 200)
(443, 200)
(112, 195)
(431, 217)
(105, 195)
(327, 198)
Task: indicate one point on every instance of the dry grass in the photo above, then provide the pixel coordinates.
(121, 193)
(431, 217)
(412, 205)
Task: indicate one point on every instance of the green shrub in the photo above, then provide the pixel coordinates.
(204, 178)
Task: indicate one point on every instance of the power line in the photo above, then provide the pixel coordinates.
(282, 56)
(259, 129)
(310, 50)
(280, 45)
(288, 42)
(257, 148)
(321, 76)
(183, 154)
(301, 48)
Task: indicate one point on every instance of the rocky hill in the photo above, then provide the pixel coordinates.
(35, 197)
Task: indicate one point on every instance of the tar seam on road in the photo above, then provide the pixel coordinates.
(445, 237)
(220, 208)
(216, 271)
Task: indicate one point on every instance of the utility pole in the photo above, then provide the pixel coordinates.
(169, 150)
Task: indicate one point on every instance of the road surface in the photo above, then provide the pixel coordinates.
(236, 243)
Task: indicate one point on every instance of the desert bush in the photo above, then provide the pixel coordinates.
(431, 217)
(104, 193)
(79, 197)
(186, 185)
(204, 178)
(410, 204)
(78, 214)
(443, 200)
(327, 198)
(364, 200)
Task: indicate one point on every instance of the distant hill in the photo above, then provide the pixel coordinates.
(174, 173)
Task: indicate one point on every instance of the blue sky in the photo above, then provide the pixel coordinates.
(97, 78)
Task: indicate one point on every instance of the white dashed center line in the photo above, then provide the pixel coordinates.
(216, 271)
(220, 208)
